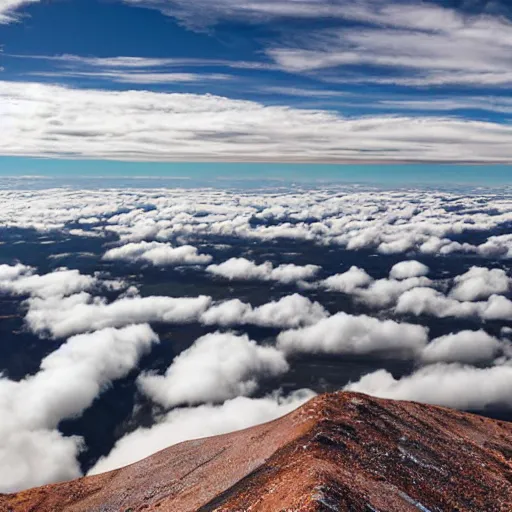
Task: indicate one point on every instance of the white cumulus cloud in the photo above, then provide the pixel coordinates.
(157, 253)
(451, 385)
(480, 283)
(32, 451)
(217, 367)
(286, 313)
(407, 269)
(243, 269)
(349, 334)
(19, 280)
(470, 347)
(82, 313)
(349, 281)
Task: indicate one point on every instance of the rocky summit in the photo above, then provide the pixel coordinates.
(338, 452)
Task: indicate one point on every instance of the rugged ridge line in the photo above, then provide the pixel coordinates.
(341, 451)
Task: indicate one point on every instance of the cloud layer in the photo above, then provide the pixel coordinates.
(439, 254)
(41, 120)
(386, 222)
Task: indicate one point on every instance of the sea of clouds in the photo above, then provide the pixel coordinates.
(101, 324)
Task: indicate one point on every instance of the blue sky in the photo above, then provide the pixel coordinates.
(260, 80)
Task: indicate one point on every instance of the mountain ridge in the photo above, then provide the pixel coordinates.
(339, 451)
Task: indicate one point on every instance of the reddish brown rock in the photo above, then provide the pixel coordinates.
(340, 452)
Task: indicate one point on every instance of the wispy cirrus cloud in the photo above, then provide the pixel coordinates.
(405, 42)
(485, 103)
(9, 9)
(131, 62)
(417, 43)
(204, 13)
(134, 77)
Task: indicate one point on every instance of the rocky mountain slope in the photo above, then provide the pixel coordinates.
(338, 452)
